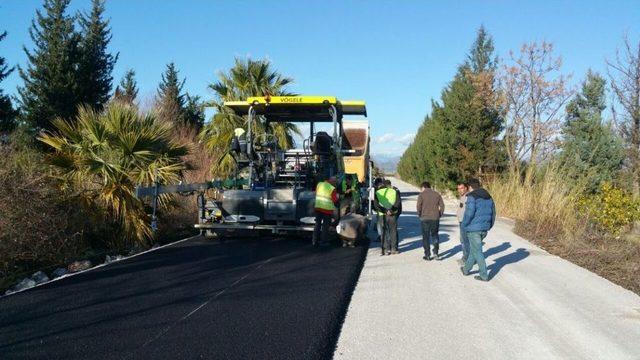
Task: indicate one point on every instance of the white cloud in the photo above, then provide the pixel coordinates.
(388, 153)
(405, 139)
(388, 137)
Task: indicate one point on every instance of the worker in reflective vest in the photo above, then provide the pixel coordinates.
(325, 205)
(350, 193)
(387, 203)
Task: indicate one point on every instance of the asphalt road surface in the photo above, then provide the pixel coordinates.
(245, 299)
(536, 306)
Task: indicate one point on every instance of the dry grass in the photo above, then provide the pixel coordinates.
(40, 226)
(544, 212)
(177, 221)
(545, 203)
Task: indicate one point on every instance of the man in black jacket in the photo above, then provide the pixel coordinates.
(387, 203)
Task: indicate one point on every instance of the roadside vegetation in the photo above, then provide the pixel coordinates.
(563, 162)
(75, 145)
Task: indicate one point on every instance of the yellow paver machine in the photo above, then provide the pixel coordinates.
(273, 188)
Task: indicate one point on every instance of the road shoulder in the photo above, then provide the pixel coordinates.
(536, 305)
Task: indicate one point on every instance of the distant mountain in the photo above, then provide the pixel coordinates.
(386, 162)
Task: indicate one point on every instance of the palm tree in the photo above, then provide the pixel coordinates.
(104, 155)
(245, 79)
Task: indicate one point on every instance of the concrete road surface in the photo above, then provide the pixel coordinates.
(536, 306)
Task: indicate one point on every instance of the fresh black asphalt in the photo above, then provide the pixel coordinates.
(244, 299)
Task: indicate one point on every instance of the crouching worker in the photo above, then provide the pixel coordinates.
(351, 229)
(479, 217)
(325, 205)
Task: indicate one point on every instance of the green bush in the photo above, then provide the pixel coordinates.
(611, 209)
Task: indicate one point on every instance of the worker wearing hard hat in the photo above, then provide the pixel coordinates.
(325, 205)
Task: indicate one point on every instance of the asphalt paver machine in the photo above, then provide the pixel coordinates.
(273, 188)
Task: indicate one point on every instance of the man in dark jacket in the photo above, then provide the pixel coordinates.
(398, 213)
(387, 202)
(479, 217)
(430, 208)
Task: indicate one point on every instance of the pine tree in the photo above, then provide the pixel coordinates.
(194, 112)
(7, 113)
(590, 148)
(127, 91)
(171, 101)
(96, 64)
(50, 79)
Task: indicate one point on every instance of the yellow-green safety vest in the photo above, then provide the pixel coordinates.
(344, 185)
(386, 197)
(323, 196)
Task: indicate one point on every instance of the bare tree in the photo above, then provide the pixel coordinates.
(535, 92)
(624, 72)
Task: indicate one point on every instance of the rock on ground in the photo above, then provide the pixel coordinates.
(59, 272)
(79, 266)
(110, 259)
(24, 284)
(39, 277)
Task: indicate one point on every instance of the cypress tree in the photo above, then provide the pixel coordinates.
(96, 63)
(7, 113)
(127, 91)
(458, 139)
(50, 79)
(590, 149)
(481, 57)
(171, 101)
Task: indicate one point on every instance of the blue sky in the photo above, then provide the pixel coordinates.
(396, 55)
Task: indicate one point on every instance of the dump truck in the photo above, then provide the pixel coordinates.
(272, 189)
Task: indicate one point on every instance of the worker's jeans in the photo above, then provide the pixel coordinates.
(380, 227)
(475, 253)
(464, 242)
(430, 236)
(323, 221)
(390, 231)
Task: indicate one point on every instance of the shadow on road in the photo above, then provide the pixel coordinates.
(502, 261)
(409, 194)
(449, 253)
(497, 249)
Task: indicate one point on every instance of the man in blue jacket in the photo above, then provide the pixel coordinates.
(479, 217)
